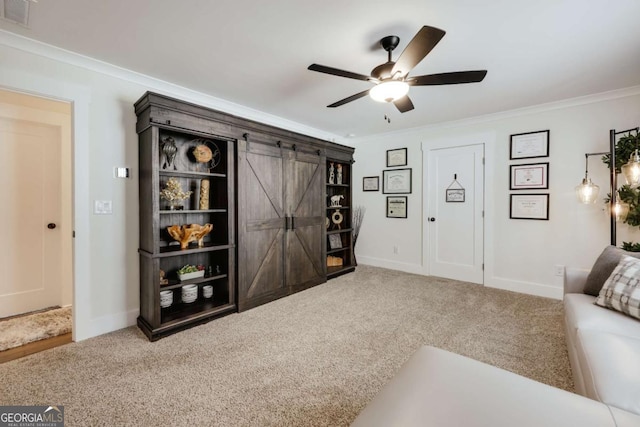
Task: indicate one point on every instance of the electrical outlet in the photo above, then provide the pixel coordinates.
(395, 250)
(559, 270)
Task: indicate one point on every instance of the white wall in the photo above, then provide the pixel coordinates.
(106, 270)
(520, 255)
(105, 248)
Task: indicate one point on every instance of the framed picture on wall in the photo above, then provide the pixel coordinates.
(529, 145)
(396, 181)
(371, 183)
(396, 206)
(533, 176)
(397, 157)
(529, 206)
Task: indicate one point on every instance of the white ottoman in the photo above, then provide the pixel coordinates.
(441, 389)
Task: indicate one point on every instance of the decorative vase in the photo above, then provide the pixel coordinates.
(204, 194)
(169, 149)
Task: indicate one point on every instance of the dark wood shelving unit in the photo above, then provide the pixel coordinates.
(166, 152)
(339, 186)
(268, 204)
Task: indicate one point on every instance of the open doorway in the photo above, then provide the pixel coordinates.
(36, 292)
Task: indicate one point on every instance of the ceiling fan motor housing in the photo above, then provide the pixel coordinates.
(383, 71)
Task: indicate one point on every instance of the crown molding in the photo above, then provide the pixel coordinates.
(35, 47)
(502, 115)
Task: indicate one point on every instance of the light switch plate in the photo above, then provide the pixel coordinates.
(121, 172)
(102, 207)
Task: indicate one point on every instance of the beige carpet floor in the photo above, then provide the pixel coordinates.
(315, 358)
(22, 330)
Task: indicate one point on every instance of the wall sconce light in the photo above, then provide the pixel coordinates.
(620, 211)
(631, 170)
(587, 191)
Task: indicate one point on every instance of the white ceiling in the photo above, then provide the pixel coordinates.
(255, 53)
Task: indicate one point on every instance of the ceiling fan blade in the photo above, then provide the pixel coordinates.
(337, 72)
(404, 104)
(448, 78)
(349, 99)
(417, 49)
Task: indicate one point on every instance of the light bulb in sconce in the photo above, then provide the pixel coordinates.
(631, 170)
(620, 211)
(587, 191)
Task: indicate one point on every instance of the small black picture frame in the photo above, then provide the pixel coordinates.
(371, 183)
(396, 157)
(397, 206)
(396, 181)
(529, 145)
(529, 206)
(529, 176)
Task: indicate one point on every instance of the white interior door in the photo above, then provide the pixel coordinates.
(30, 256)
(455, 226)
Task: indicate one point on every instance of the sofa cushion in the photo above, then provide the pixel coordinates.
(603, 267)
(610, 368)
(621, 291)
(582, 313)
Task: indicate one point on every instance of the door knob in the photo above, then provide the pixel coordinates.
(51, 226)
(432, 219)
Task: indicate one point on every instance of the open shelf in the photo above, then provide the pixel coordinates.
(339, 270)
(174, 284)
(180, 312)
(337, 207)
(345, 230)
(190, 211)
(174, 250)
(188, 174)
(338, 185)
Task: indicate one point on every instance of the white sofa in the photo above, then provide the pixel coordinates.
(604, 348)
(435, 388)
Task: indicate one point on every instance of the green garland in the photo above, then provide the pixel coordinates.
(631, 196)
(624, 148)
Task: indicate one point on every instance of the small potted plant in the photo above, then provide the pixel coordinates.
(189, 272)
(173, 194)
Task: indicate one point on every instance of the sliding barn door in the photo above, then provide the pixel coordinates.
(304, 184)
(261, 223)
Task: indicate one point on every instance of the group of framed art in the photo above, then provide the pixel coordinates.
(394, 181)
(529, 176)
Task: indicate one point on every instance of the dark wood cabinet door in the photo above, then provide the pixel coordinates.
(261, 223)
(304, 184)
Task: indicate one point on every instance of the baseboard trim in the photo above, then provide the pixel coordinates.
(529, 288)
(392, 265)
(106, 324)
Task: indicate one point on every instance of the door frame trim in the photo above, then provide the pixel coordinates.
(79, 97)
(488, 139)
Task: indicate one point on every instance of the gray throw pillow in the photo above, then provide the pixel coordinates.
(603, 267)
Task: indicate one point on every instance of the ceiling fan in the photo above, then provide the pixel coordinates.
(392, 79)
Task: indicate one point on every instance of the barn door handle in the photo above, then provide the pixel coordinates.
(51, 226)
(290, 223)
(432, 219)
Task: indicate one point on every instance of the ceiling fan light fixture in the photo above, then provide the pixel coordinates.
(389, 91)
